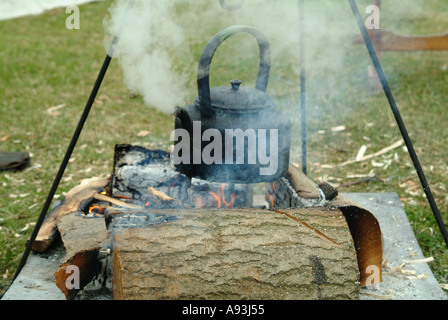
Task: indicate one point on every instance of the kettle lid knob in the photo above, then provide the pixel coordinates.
(235, 84)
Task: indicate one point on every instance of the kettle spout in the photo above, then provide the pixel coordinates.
(183, 120)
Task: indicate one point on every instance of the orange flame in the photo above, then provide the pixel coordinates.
(124, 197)
(271, 199)
(221, 199)
(216, 198)
(96, 210)
(270, 194)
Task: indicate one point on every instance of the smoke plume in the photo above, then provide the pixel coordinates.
(159, 41)
(147, 39)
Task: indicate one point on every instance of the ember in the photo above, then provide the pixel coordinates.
(148, 177)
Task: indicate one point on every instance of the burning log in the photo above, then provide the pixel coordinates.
(233, 254)
(204, 194)
(136, 169)
(149, 177)
(76, 199)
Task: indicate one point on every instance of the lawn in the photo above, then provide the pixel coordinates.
(48, 71)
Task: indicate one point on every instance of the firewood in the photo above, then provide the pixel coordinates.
(312, 244)
(234, 254)
(328, 190)
(137, 168)
(74, 200)
(83, 238)
(117, 202)
(304, 187)
(294, 190)
(159, 199)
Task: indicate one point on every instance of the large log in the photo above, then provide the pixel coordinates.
(296, 190)
(234, 254)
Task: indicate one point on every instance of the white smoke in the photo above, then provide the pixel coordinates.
(147, 37)
(157, 39)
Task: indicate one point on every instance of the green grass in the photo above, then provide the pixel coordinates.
(45, 65)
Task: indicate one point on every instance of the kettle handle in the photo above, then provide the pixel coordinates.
(210, 49)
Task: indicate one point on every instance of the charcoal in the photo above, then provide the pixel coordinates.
(136, 169)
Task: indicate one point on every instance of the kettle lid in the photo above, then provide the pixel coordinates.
(238, 99)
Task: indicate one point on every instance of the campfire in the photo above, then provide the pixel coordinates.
(207, 225)
(148, 213)
(201, 223)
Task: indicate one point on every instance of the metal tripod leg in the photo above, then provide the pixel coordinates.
(401, 126)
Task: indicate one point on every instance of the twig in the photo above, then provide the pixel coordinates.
(160, 195)
(361, 153)
(430, 259)
(163, 199)
(120, 203)
(386, 258)
(368, 157)
(348, 184)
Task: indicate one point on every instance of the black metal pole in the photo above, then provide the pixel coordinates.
(401, 126)
(71, 147)
(303, 84)
(64, 164)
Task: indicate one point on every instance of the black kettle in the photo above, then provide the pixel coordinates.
(232, 134)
